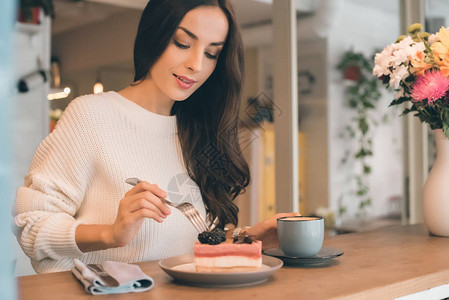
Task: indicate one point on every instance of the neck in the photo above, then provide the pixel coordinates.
(147, 95)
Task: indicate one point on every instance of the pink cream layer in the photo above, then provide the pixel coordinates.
(228, 248)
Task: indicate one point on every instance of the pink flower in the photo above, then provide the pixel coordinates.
(432, 85)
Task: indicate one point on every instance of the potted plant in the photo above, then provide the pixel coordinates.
(417, 67)
(29, 10)
(352, 65)
(362, 96)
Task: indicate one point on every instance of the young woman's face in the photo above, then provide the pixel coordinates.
(192, 54)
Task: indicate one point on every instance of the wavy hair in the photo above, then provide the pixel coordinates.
(207, 121)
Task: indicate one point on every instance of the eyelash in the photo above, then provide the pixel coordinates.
(182, 46)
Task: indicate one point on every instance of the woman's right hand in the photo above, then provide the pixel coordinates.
(140, 202)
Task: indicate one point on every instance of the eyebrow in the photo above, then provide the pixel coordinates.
(193, 36)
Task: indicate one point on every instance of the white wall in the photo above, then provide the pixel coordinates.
(98, 44)
(363, 29)
(8, 288)
(31, 111)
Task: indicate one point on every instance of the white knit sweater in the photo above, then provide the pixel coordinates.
(77, 176)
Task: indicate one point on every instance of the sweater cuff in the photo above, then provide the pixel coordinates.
(56, 238)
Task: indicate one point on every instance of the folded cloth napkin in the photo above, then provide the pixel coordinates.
(111, 277)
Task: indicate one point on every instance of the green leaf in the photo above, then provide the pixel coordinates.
(399, 101)
(363, 125)
(360, 154)
(366, 169)
(364, 203)
(368, 105)
(407, 111)
(361, 192)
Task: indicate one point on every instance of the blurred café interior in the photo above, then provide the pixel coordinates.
(319, 169)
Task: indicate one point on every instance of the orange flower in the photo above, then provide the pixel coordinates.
(419, 64)
(442, 60)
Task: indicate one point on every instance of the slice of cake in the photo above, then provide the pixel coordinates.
(239, 255)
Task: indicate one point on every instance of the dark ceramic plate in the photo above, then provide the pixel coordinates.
(326, 255)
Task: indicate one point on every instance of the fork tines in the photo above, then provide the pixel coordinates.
(193, 215)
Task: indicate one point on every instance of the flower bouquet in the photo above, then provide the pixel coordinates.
(417, 67)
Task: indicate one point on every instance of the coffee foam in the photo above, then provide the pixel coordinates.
(300, 219)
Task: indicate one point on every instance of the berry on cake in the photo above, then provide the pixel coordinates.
(214, 253)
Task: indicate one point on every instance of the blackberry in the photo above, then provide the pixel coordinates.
(202, 237)
(214, 237)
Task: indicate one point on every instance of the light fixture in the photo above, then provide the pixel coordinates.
(58, 93)
(98, 87)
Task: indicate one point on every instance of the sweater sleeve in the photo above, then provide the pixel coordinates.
(60, 171)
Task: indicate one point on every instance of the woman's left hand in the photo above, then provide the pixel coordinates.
(266, 231)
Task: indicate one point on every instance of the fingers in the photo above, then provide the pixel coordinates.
(146, 186)
(140, 202)
(147, 200)
(138, 207)
(146, 213)
(151, 192)
(144, 203)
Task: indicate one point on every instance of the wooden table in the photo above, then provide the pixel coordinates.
(382, 264)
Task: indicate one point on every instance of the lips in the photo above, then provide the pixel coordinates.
(184, 82)
(184, 79)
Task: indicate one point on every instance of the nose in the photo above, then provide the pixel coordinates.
(195, 61)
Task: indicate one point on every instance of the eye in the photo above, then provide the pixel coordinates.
(181, 46)
(211, 56)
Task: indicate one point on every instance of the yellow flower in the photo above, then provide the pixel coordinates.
(400, 38)
(442, 46)
(423, 35)
(441, 51)
(414, 28)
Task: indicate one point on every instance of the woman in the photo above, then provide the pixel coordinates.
(175, 126)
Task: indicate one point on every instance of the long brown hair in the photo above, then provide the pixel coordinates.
(208, 120)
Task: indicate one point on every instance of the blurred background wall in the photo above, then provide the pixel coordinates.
(91, 41)
(7, 282)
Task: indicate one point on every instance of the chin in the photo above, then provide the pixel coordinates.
(181, 97)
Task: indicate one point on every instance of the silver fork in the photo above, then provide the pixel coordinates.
(186, 208)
